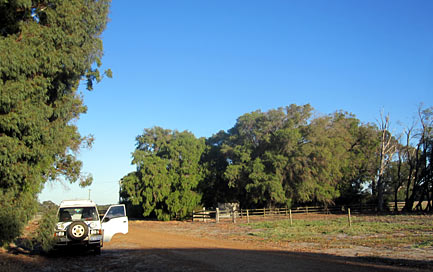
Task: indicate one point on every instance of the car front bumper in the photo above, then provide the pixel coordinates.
(92, 240)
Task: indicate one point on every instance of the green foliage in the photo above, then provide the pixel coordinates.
(47, 206)
(284, 157)
(214, 187)
(260, 150)
(44, 233)
(168, 173)
(46, 48)
(14, 214)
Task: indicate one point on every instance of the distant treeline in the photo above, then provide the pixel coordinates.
(280, 158)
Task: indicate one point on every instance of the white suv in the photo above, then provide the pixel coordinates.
(79, 224)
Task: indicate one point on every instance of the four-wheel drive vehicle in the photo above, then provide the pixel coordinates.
(79, 224)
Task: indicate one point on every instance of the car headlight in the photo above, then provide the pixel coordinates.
(59, 234)
(96, 231)
(60, 226)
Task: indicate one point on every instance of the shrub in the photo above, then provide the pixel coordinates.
(44, 233)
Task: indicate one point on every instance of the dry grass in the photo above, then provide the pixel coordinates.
(369, 231)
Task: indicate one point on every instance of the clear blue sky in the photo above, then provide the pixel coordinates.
(199, 65)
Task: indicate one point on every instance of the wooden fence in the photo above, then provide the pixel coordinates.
(217, 215)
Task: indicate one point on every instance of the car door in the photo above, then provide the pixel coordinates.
(114, 221)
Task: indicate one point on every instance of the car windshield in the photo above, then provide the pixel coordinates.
(78, 214)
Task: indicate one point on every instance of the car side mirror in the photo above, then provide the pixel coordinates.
(106, 219)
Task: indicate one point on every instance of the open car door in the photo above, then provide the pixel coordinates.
(114, 221)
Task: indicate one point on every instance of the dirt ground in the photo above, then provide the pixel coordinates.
(187, 246)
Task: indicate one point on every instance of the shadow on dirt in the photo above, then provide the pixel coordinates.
(23, 247)
(218, 259)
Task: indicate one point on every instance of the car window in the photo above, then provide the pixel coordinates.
(78, 214)
(115, 211)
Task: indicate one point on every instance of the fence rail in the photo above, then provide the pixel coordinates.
(209, 215)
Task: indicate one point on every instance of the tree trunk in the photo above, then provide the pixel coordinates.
(387, 149)
(408, 206)
(398, 183)
(380, 194)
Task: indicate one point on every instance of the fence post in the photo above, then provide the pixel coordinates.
(286, 211)
(217, 216)
(203, 215)
(264, 212)
(290, 212)
(248, 217)
(234, 215)
(307, 209)
(349, 218)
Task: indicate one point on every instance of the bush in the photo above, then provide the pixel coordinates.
(44, 233)
(14, 214)
(10, 226)
(13, 219)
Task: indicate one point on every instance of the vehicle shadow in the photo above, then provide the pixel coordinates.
(201, 259)
(25, 246)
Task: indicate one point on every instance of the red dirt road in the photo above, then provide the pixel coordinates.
(148, 247)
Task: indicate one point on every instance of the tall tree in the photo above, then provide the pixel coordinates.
(396, 176)
(387, 148)
(326, 154)
(259, 149)
(283, 157)
(410, 155)
(420, 186)
(360, 171)
(214, 187)
(46, 48)
(168, 173)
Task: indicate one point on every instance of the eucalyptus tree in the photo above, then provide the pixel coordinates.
(168, 173)
(214, 187)
(283, 157)
(46, 49)
(420, 177)
(387, 149)
(359, 172)
(262, 151)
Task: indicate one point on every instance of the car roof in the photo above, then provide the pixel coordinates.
(77, 203)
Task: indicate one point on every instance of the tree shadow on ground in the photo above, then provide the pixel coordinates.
(199, 259)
